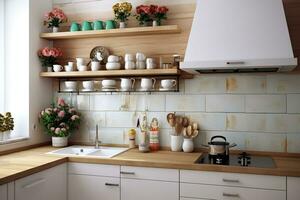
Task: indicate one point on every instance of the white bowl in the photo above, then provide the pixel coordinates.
(71, 85)
(108, 83)
(82, 68)
(113, 66)
(88, 85)
(113, 58)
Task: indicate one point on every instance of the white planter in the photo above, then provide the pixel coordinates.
(49, 69)
(122, 25)
(176, 143)
(59, 141)
(55, 29)
(5, 135)
(154, 23)
(188, 145)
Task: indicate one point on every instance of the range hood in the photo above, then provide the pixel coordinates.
(239, 36)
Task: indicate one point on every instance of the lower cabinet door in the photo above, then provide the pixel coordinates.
(200, 191)
(135, 189)
(85, 187)
(3, 192)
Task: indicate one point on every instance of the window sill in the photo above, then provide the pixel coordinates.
(14, 140)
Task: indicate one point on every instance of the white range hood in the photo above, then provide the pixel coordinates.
(239, 36)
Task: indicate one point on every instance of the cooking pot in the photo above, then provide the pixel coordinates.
(219, 147)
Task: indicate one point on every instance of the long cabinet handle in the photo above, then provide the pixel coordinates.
(235, 63)
(37, 182)
(230, 180)
(112, 184)
(129, 173)
(230, 195)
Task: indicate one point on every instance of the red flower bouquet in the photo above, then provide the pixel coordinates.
(159, 13)
(55, 17)
(143, 14)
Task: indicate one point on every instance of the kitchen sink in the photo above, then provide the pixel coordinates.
(89, 151)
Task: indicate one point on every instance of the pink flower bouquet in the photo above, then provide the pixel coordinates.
(59, 120)
(143, 14)
(55, 17)
(48, 56)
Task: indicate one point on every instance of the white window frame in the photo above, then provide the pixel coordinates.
(2, 57)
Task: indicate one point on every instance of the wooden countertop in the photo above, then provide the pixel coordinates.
(17, 165)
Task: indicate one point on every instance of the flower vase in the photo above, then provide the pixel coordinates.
(59, 141)
(5, 135)
(188, 145)
(122, 25)
(155, 23)
(55, 29)
(48, 69)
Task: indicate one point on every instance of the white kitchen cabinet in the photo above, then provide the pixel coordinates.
(293, 188)
(82, 187)
(49, 184)
(3, 192)
(218, 185)
(93, 181)
(149, 183)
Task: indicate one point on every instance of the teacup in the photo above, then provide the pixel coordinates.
(71, 64)
(129, 65)
(71, 85)
(148, 83)
(127, 83)
(108, 83)
(75, 27)
(88, 85)
(68, 68)
(113, 58)
(86, 26)
(168, 83)
(98, 25)
(57, 68)
(129, 57)
(82, 68)
(150, 63)
(110, 24)
(95, 65)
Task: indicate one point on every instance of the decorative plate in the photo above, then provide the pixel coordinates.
(104, 54)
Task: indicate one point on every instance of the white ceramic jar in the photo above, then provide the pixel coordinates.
(188, 145)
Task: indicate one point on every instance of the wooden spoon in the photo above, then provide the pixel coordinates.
(189, 131)
(185, 122)
(195, 133)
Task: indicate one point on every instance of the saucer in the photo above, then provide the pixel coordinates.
(166, 89)
(109, 89)
(70, 90)
(87, 90)
(125, 90)
(144, 90)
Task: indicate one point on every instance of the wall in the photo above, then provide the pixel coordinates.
(28, 92)
(257, 111)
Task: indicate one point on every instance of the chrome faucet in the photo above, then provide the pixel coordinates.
(97, 142)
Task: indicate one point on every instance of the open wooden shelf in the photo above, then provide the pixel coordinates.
(112, 32)
(115, 73)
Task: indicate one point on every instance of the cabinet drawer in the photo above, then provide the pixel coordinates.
(94, 169)
(234, 179)
(150, 173)
(225, 193)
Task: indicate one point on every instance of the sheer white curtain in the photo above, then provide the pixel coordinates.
(2, 77)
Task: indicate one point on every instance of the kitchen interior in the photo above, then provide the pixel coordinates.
(149, 99)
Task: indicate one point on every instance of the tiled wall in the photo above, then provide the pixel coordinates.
(258, 112)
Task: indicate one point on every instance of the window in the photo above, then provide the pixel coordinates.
(2, 77)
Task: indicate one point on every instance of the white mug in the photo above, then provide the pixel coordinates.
(68, 68)
(79, 61)
(168, 83)
(95, 66)
(82, 68)
(129, 65)
(71, 85)
(148, 83)
(88, 85)
(127, 83)
(57, 68)
(71, 64)
(129, 57)
(140, 65)
(140, 57)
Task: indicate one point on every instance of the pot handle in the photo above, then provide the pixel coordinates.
(218, 136)
(232, 145)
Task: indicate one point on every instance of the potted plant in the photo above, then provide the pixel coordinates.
(48, 57)
(6, 125)
(59, 121)
(143, 15)
(158, 14)
(54, 18)
(122, 11)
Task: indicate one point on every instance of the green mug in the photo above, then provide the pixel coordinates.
(75, 27)
(110, 24)
(98, 25)
(86, 26)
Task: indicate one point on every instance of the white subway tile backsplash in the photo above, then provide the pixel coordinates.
(185, 103)
(83, 102)
(266, 103)
(246, 84)
(209, 121)
(121, 119)
(293, 103)
(105, 102)
(109, 135)
(210, 84)
(283, 83)
(225, 103)
(245, 122)
(147, 102)
(293, 142)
